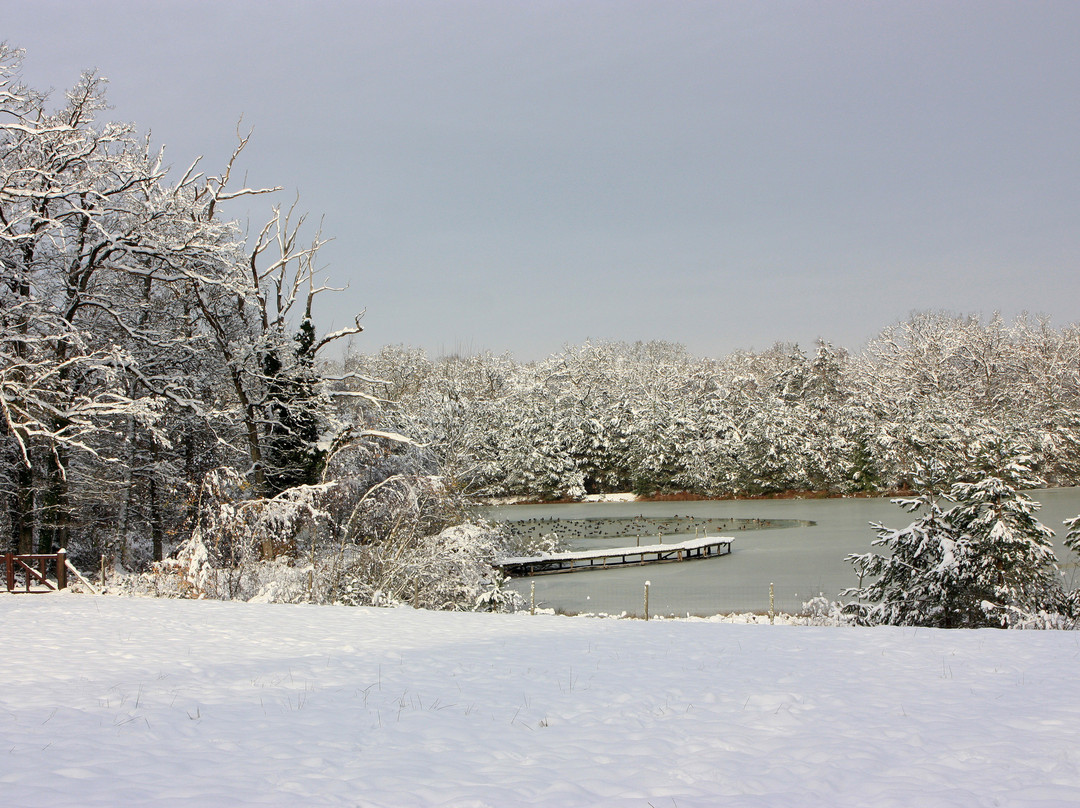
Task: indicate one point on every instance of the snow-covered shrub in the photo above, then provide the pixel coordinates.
(450, 570)
(243, 547)
(820, 611)
(378, 534)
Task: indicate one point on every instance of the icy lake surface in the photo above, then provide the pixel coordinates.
(800, 561)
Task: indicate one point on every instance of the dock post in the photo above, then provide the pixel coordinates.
(772, 604)
(647, 584)
(532, 597)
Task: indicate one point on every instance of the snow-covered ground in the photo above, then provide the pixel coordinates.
(109, 701)
(610, 497)
(618, 497)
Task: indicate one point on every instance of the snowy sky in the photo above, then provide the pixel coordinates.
(519, 176)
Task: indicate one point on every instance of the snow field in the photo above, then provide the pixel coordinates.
(108, 701)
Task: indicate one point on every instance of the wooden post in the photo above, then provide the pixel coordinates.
(61, 568)
(532, 597)
(103, 571)
(772, 604)
(647, 584)
(78, 575)
(9, 567)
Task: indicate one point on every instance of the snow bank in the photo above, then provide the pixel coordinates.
(110, 701)
(517, 500)
(624, 497)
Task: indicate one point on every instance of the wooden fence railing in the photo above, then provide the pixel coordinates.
(34, 569)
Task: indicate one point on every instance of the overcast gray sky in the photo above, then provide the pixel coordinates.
(521, 175)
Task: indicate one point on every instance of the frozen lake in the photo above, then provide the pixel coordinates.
(800, 561)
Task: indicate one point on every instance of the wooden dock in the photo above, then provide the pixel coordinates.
(580, 560)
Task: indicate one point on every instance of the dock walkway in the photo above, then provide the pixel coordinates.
(580, 560)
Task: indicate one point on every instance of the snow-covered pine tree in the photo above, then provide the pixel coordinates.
(1072, 538)
(1015, 562)
(987, 561)
(1071, 601)
(922, 580)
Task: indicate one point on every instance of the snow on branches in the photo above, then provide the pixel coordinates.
(143, 340)
(382, 534)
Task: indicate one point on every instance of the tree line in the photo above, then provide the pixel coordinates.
(653, 419)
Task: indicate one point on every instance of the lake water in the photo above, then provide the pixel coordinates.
(800, 561)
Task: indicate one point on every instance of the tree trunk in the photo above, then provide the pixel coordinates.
(156, 533)
(23, 518)
(254, 443)
(55, 523)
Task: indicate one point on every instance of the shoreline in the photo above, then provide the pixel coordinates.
(687, 496)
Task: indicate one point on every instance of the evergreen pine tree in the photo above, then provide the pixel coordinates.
(293, 456)
(983, 562)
